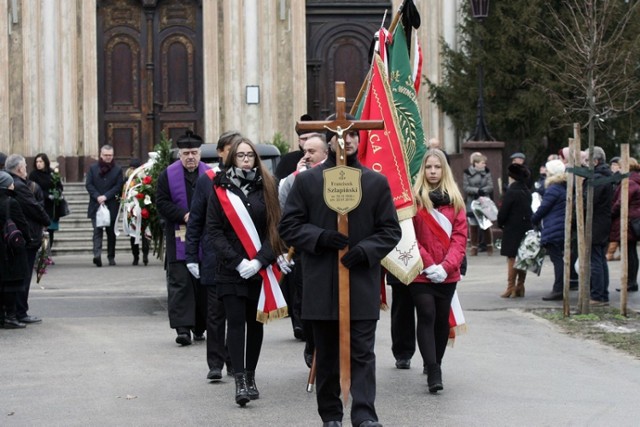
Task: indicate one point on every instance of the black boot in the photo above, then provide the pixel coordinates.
(242, 394)
(135, 250)
(434, 378)
(145, 251)
(252, 390)
(10, 322)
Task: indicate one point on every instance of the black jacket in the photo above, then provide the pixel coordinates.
(514, 217)
(109, 185)
(45, 181)
(33, 209)
(13, 262)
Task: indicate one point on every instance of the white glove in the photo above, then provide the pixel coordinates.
(248, 268)
(284, 264)
(194, 269)
(437, 275)
(429, 270)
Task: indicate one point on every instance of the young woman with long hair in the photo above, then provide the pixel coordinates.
(245, 190)
(441, 231)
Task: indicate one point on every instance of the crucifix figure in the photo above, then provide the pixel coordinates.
(342, 193)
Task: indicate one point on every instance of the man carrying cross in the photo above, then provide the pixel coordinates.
(310, 225)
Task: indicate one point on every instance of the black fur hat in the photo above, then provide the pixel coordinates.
(518, 172)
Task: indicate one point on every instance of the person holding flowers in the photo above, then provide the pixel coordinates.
(138, 208)
(51, 184)
(187, 299)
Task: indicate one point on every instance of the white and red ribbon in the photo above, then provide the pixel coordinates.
(271, 304)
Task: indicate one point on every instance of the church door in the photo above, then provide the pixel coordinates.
(149, 73)
(338, 42)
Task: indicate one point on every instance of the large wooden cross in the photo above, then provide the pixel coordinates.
(340, 126)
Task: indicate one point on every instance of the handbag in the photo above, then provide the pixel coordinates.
(635, 226)
(63, 208)
(11, 233)
(103, 217)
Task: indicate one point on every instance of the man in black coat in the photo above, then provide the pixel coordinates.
(104, 184)
(201, 261)
(288, 162)
(310, 226)
(26, 194)
(187, 301)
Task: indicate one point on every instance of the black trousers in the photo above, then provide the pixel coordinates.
(187, 299)
(244, 332)
(97, 240)
(403, 321)
(363, 370)
(216, 326)
(22, 296)
(291, 290)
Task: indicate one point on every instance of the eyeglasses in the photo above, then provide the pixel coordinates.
(241, 156)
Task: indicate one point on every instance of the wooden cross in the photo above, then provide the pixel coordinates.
(341, 125)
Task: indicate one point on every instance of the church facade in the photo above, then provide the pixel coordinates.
(75, 75)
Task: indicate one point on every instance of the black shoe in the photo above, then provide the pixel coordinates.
(198, 336)
(135, 260)
(242, 395)
(214, 374)
(308, 358)
(97, 261)
(184, 337)
(370, 423)
(13, 323)
(298, 333)
(434, 378)
(630, 289)
(252, 390)
(332, 424)
(30, 319)
(145, 259)
(403, 363)
(112, 261)
(553, 296)
(230, 371)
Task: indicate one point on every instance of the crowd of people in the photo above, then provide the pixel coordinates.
(232, 227)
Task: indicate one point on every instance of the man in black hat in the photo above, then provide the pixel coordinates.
(186, 297)
(104, 183)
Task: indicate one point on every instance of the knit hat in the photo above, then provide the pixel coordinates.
(555, 167)
(5, 180)
(518, 172)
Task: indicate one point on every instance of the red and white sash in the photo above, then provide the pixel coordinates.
(271, 304)
(442, 228)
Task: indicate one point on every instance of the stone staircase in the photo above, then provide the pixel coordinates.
(75, 234)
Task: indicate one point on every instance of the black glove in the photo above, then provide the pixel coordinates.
(481, 192)
(354, 257)
(332, 240)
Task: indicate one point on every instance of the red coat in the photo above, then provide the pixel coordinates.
(433, 251)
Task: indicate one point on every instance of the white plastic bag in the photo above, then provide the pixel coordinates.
(103, 217)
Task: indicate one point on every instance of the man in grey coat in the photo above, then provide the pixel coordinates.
(104, 184)
(310, 226)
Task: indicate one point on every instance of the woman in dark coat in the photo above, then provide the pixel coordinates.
(634, 214)
(514, 217)
(550, 216)
(13, 261)
(237, 277)
(51, 190)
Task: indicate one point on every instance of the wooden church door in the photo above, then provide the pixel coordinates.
(150, 73)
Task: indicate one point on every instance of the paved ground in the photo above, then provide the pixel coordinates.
(105, 355)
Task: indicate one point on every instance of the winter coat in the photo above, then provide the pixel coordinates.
(634, 208)
(109, 185)
(13, 262)
(32, 206)
(602, 202)
(226, 243)
(514, 217)
(473, 181)
(551, 213)
(373, 227)
(433, 251)
(45, 181)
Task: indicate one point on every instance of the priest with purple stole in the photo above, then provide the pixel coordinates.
(187, 299)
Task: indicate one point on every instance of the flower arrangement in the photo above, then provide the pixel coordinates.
(43, 260)
(55, 194)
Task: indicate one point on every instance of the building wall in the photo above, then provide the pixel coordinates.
(48, 73)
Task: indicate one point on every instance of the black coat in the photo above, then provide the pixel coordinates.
(196, 236)
(287, 164)
(45, 181)
(373, 226)
(514, 217)
(602, 203)
(32, 208)
(226, 244)
(109, 185)
(13, 262)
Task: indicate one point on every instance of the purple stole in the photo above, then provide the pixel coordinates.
(178, 190)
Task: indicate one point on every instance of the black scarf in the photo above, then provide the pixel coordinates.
(105, 167)
(438, 198)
